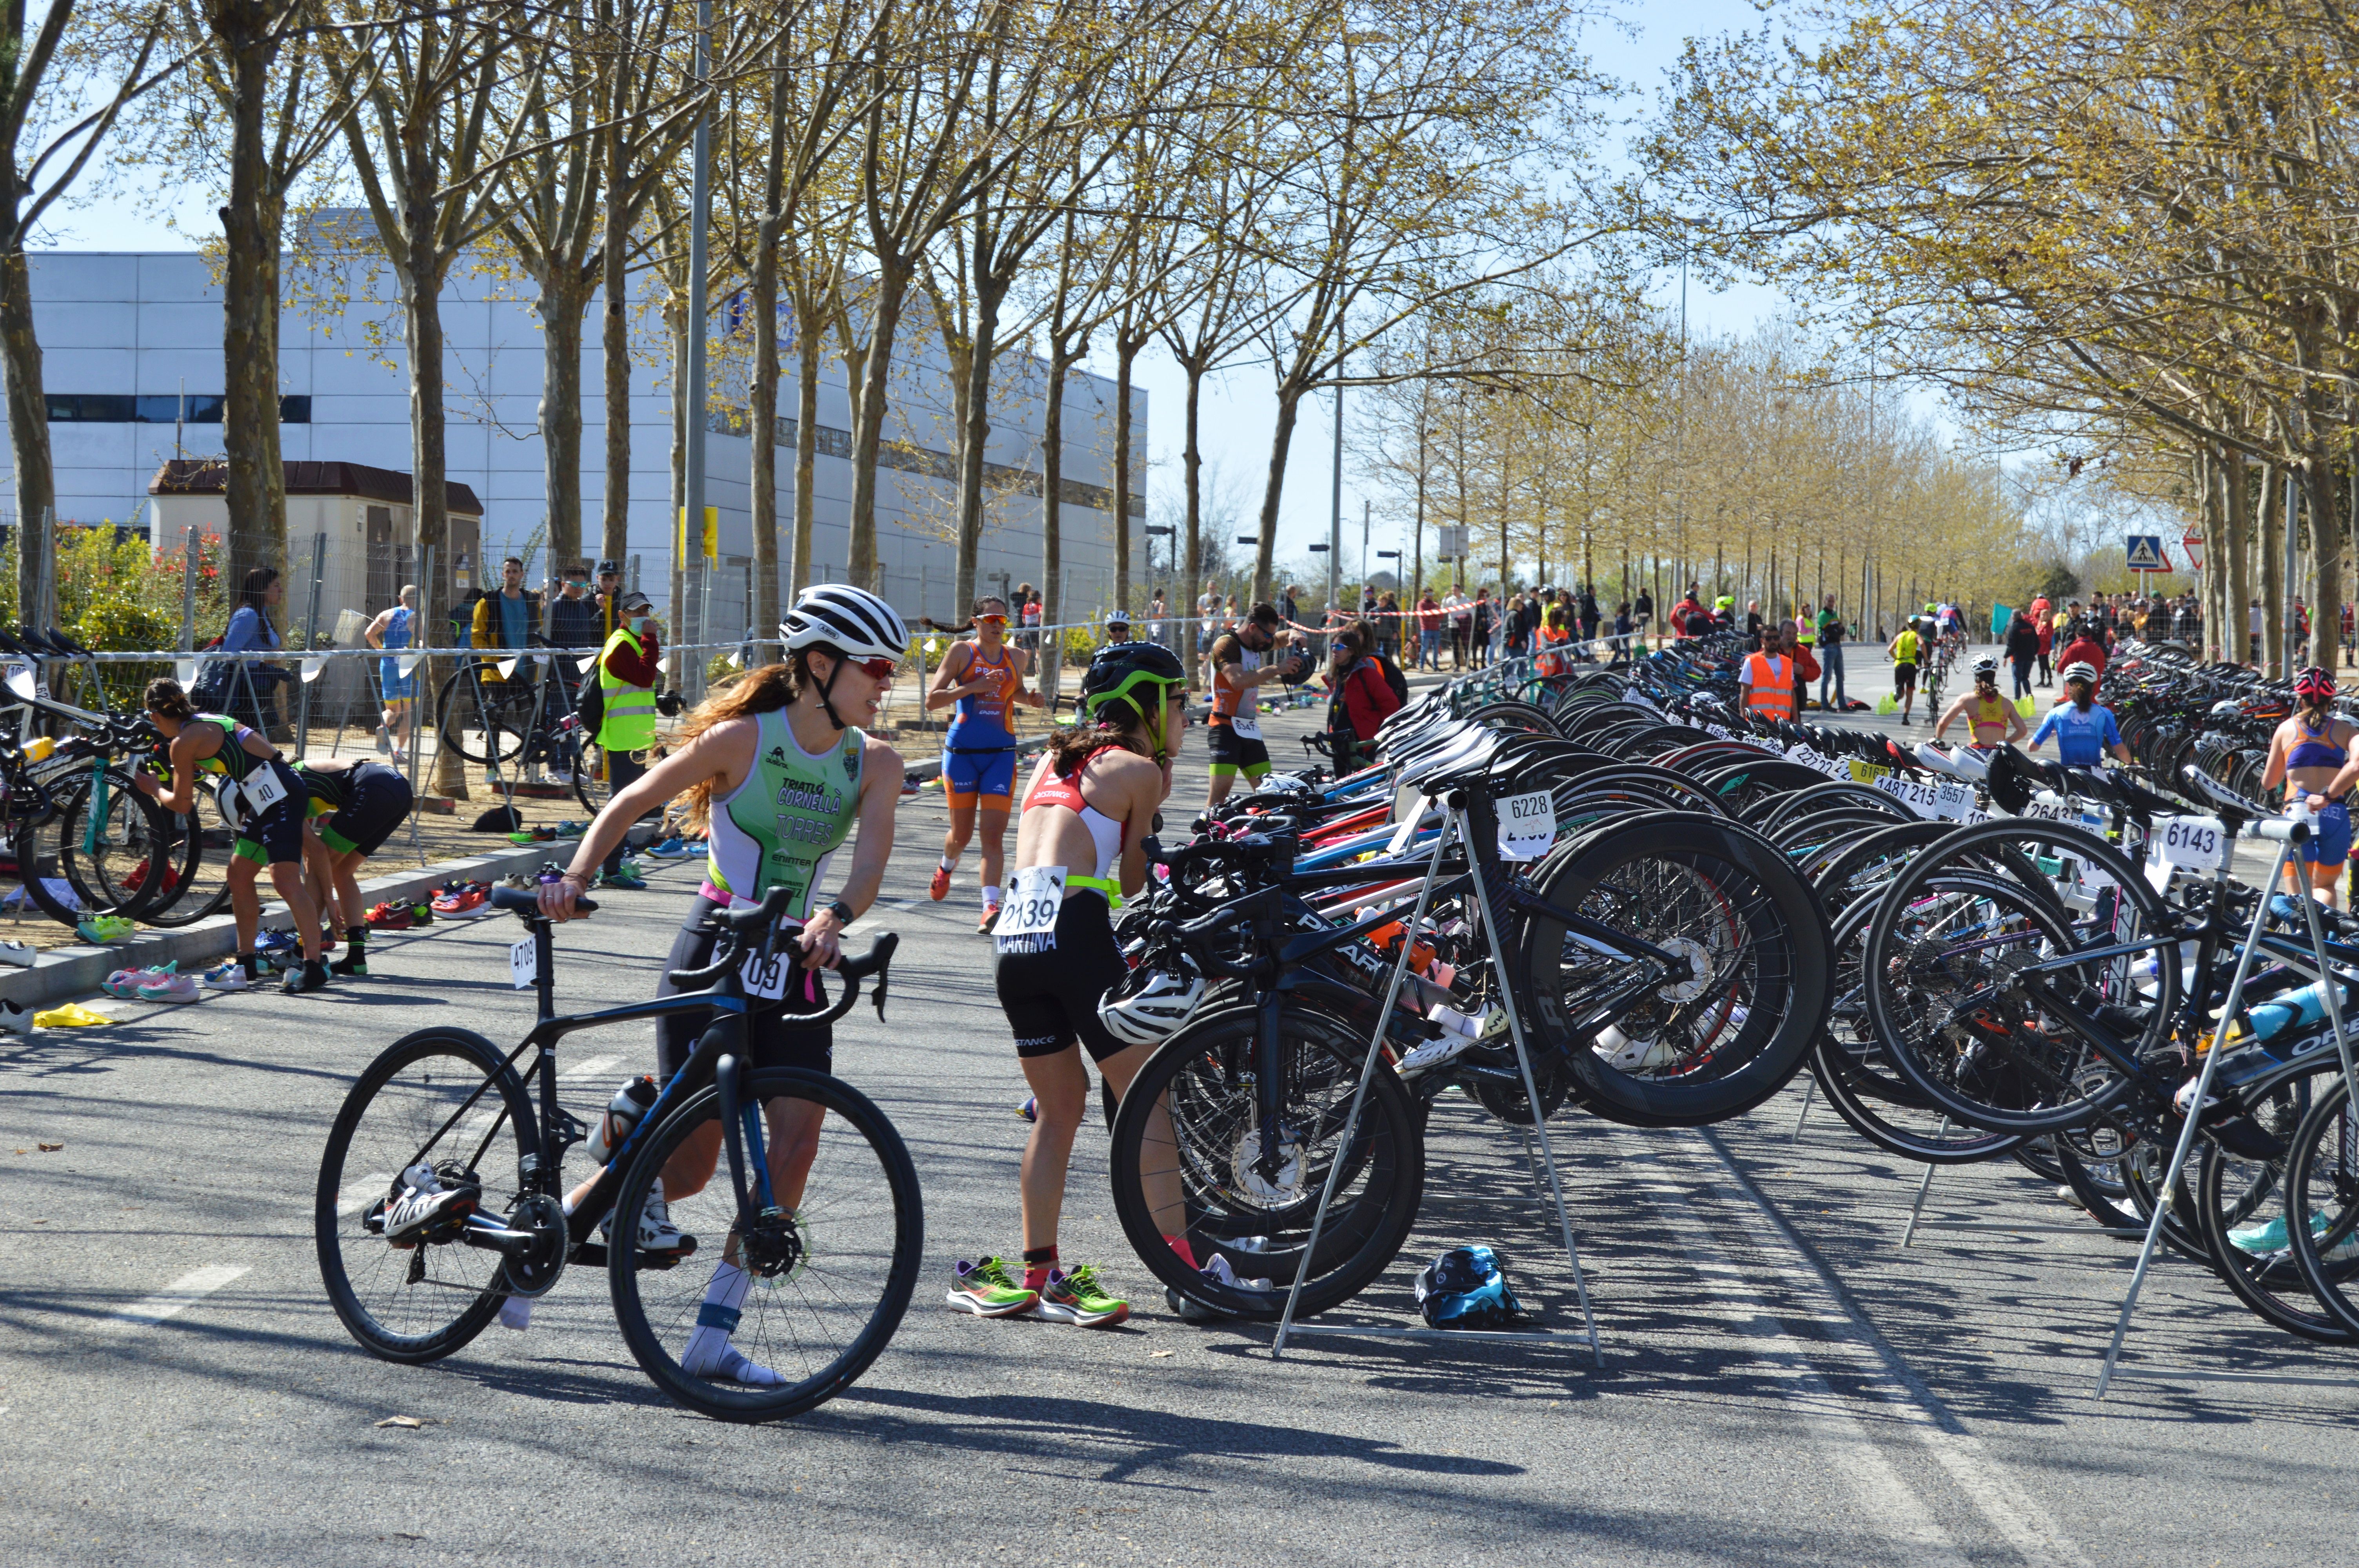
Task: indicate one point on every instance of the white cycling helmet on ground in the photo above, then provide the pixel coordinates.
(846, 618)
(1150, 1003)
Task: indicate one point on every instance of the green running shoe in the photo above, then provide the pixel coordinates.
(985, 1290)
(1075, 1298)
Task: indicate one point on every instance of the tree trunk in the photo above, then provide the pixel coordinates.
(973, 394)
(2206, 464)
(2235, 557)
(251, 232)
(2318, 480)
(1289, 405)
(889, 293)
(2271, 541)
(1125, 354)
(762, 410)
(564, 297)
(28, 435)
(422, 305)
(615, 345)
(811, 334)
(1062, 356)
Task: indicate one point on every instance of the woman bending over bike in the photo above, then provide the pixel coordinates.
(262, 796)
(1090, 802)
(355, 806)
(778, 769)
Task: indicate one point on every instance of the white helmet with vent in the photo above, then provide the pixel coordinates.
(1150, 1004)
(851, 619)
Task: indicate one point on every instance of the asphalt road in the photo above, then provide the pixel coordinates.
(1783, 1382)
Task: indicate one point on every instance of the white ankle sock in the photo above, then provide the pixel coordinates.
(991, 896)
(709, 1353)
(949, 862)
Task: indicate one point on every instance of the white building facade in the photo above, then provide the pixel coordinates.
(130, 343)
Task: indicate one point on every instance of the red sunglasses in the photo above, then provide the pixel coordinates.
(878, 669)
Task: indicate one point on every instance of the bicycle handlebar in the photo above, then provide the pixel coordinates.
(520, 900)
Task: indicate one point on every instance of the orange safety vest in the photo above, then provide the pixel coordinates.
(1551, 659)
(1769, 686)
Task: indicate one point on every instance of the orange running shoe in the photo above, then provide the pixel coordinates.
(940, 888)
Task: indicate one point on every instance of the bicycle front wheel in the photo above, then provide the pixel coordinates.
(116, 865)
(420, 1303)
(820, 1287)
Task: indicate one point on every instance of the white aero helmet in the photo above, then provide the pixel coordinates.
(1150, 1003)
(851, 619)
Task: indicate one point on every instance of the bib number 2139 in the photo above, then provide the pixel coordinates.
(1027, 921)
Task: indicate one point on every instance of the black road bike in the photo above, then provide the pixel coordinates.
(814, 1196)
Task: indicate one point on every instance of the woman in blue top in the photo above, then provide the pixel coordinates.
(2085, 733)
(391, 630)
(250, 630)
(2308, 754)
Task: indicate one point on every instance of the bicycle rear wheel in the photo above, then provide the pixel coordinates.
(117, 865)
(828, 1280)
(418, 1303)
(1691, 1051)
(2323, 1184)
(481, 719)
(195, 884)
(1189, 1133)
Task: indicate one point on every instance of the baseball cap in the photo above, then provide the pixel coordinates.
(610, 568)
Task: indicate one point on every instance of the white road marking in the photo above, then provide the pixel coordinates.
(2013, 1513)
(177, 1297)
(360, 1193)
(583, 1069)
(1887, 1503)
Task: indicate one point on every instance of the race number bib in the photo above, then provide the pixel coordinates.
(1527, 825)
(1027, 920)
(524, 971)
(1246, 720)
(1921, 799)
(1952, 801)
(264, 789)
(767, 978)
(2193, 844)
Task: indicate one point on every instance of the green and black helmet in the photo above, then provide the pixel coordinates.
(1121, 666)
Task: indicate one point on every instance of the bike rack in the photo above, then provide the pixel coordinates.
(1453, 825)
(2288, 850)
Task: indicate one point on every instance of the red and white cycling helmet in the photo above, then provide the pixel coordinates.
(2313, 683)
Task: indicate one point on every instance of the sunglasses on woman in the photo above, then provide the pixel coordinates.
(876, 669)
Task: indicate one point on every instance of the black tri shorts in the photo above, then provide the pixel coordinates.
(772, 1039)
(1050, 996)
(376, 801)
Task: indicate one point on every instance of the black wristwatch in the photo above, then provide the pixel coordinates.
(841, 910)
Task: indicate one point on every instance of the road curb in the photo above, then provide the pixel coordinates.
(65, 972)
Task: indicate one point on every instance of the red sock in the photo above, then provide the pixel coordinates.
(1187, 1253)
(1037, 1261)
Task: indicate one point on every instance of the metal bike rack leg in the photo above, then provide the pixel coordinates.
(1810, 1090)
(1285, 1325)
(1917, 1211)
(2202, 1089)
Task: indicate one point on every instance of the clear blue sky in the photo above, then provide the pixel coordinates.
(1238, 408)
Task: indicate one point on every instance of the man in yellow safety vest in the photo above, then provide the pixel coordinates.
(627, 674)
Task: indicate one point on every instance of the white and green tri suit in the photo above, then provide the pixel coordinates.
(781, 825)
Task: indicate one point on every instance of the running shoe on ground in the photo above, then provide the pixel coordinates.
(123, 984)
(1076, 1298)
(421, 913)
(518, 881)
(990, 918)
(227, 975)
(425, 1203)
(168, 987)
(466, 899)
(940, 888)
(911, 786)
(272, 946)
(624, 879)
(670, 849)
(99, 929)
(630, 866)
(986, 1290)
(1191, 1310)
(656, 1233)
(391, 916)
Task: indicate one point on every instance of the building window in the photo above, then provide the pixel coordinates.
(197, 408)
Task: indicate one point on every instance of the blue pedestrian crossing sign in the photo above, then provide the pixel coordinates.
(2146, 554)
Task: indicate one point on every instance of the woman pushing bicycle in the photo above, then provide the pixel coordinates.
(779, 768)
(1091, 801)
(263, 798)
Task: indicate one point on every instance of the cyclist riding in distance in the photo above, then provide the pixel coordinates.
(1091, 801)
(984, 678)
(264, 797)
(1991, 719)
(776, 766)
(1243, 661)
(2310, 753)
(2085, 733)
(355, 806)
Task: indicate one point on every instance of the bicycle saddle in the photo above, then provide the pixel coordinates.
(1453, 765)
(1958, 762)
